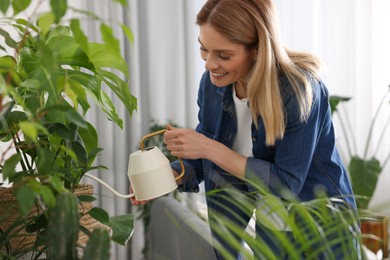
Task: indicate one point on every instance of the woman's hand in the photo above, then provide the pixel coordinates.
(186, 143)
(189, 144)
(136, 202)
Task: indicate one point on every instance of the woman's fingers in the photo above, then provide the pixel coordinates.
(136, 202)
(169, 127)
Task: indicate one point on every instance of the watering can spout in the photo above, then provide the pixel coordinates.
(125, 196)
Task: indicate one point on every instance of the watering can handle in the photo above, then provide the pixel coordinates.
(157, 133)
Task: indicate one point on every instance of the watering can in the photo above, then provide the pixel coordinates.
(149, 171)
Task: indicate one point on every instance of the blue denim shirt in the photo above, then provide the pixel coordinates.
(304, 161)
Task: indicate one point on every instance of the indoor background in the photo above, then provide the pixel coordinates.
(351, 38)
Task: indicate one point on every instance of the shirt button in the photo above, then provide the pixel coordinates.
(254, 139)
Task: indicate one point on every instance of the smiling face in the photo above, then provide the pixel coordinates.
(228, 62)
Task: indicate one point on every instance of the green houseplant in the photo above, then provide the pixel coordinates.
(314, 227)
(50, 74)
(364, 168)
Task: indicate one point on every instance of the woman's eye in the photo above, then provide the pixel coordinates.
(224, 56)
(203, 53)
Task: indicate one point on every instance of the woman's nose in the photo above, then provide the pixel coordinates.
(211, 64)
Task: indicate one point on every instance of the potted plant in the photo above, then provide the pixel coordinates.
(365, 169)
(314, 227)
(50, 74)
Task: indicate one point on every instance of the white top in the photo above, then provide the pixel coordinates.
(243, 145)
(243, 142)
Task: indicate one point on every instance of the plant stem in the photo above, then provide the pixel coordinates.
(387, 159)
(19, 152)
(345, 133)
(24, 156)
(382, 135)
(2, 155)
(373, 123)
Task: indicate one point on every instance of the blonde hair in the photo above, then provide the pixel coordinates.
(254, 24)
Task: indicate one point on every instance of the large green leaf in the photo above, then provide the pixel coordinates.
(58, 31)
(91, 158)
(45, 22)
(28, 95)
(7, 62)
(5, 124)
(26, 24)
(100, 215)
(9, 167)
(9, 76)
(39, 67)
(335, 100)
(62, 131)
(122, 228)
(75, 118)
(364, 176)
(59, 8)
(69, 52)
(98, 247)
(105, 103)
(47, 196)
(109, 39)
(8, 39)
(81, 95)
(79, 35)
(56, 183)
(20, 5)
(63, 227)
(26, 198)
(89, 137)
(56, 112)
(127, 31)
(92, 84)
(31, 129)
(103, 57)
(4, 4)
(45, 160)
(80, 152)
(86, 198)
(122, 2)
(121, 89)
(29, 61)
(87, 81)
(109, 109)
(47, 58)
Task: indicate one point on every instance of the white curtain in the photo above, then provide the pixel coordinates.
(350, 36)
(165, 69)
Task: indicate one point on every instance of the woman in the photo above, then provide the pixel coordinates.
(263, 116)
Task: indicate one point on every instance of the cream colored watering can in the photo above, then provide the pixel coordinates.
(149, 172)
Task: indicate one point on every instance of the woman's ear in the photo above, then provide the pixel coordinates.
(254, 54)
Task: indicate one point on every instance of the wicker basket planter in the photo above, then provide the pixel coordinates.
(12, 222)
(375, 234)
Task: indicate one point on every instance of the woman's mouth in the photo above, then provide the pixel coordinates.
(218, 75)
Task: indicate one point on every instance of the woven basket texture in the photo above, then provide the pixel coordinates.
(20, 238)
